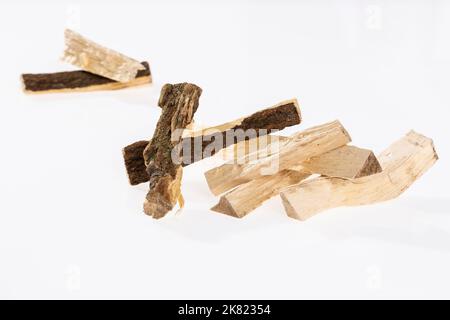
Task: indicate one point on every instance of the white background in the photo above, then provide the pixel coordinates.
(72, 227)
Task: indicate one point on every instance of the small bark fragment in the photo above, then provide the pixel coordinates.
(79, 81)
(179, 102)
(134, 162)
(302, 146)
(344, 162)
(97, 59)
(403, 163)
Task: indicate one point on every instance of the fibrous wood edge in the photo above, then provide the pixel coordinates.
(97, 59)
(345, 162)
(79, 81)
(134, 162)
(283, 114)
(302, 146)
(403, 163)
(179, 102)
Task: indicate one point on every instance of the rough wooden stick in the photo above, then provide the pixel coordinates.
(345, 162)
(179, 102)
(403, 162)
(79, 81)
(97, 59)
(205, 143)
(302, 146)
(278, 117)
(248, 196)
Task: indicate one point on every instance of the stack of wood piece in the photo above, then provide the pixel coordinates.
(153, 160)
(316, 169)
(311, 170)
(102, 69)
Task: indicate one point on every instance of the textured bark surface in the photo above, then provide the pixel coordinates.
(179, 102)
(79, 81)
(403, 163)
(285, 114)
(134, 162)
(278, 117)
(97, 59)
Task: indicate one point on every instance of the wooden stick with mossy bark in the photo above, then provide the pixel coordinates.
(179, 102)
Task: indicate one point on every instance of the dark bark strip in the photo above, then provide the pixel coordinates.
(73, 80)
(134, 162)
(275, 118)
(179, 102)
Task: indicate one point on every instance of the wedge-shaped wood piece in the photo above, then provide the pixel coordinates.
(248, 196)
(204, 143)
(79, 81)
(302, 146)
(97, 59)
(179, 102)
(344, 162)
(403, 162)
(134, 160)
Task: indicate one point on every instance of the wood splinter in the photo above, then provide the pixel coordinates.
(278, 117)
(97, 59)
(345, 162)
(179, 102)
(79, 81)
(403, 163)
